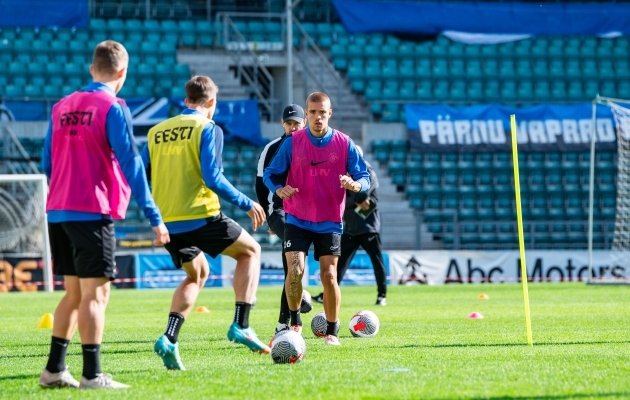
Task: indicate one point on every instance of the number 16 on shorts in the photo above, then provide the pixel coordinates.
(287, 244)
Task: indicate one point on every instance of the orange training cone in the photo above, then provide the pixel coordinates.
(202, 309)
(484, 296)
(46, 322)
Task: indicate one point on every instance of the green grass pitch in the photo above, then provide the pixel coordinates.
(426, 347)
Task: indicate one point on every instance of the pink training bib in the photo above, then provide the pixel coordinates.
(315, 172)
(86, 175)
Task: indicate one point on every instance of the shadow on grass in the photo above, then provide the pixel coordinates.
(20, 376)
(78, 353)
(515, 344)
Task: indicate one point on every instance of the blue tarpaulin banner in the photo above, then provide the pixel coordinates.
(487, 127)
(44, 13)
(238, 118)
(28, 110)
(157, 271)
(434, 17)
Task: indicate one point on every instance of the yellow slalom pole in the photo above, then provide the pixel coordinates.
(521, 238)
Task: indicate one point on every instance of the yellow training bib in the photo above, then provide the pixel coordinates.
(178, 187)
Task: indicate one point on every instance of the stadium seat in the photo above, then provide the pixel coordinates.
(558, 90)
(473, 69)
(424, 90)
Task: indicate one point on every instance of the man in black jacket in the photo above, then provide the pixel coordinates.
(361, 227)
(293, 119)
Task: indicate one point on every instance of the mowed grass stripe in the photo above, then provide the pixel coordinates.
(426, 347)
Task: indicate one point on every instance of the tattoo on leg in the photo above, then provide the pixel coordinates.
(295, 276)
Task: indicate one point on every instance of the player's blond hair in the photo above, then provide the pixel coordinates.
(200, 89)
(109, 57)
(317, 97)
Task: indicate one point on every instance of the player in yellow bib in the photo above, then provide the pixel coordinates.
(183, 158)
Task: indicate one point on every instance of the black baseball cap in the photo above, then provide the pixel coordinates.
(293, 112)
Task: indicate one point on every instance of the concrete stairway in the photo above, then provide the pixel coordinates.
(349, 110)
(215, 64)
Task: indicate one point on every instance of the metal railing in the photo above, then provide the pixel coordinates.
(324, 69)
(14, 158)
(258, 78)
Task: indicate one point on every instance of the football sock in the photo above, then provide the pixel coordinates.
(175, 322)
(296, 319)
(285, 313)
(57, 356)
(91, 360)
(331, 328)
(241, 314)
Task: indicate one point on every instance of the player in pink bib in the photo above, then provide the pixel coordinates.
(321, 163)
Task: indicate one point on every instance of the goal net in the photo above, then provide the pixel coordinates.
(611, 264)
(23, 226)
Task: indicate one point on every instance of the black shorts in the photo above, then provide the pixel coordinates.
(276, 223)
(85, 249)
(298, 239)
(213, 238)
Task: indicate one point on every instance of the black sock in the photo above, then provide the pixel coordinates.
(91, 360)
(332, 328)
(57, 356)
(175, 322)
(285, 313)
(296, 319)
(241, 314)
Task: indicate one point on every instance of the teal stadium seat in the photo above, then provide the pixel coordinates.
(424, 90)
(373, 90)
(356, 68)
(473, 68)
(458, 90)
(457, 68)
(390, 90)
(407, 90)
(440, 68)
(391, 112)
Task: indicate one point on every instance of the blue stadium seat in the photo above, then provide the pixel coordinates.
(424, 90)
(440, 68)
(441, 90)
(407, 90)
(391, 113)
(458, 90)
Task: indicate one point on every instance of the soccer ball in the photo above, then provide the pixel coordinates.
(306, 305)
(288, 347)
(364, 324)
(319, 325)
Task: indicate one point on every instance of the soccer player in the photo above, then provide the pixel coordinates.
(89, 151)
(321, 163)
(183, 155)
(293, 119)
(362, 230)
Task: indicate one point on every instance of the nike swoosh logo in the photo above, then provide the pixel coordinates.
(313, 163)
(371, 238)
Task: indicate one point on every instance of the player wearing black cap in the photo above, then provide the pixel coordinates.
(293, 119)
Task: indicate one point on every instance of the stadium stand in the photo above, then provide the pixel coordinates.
(466, 199)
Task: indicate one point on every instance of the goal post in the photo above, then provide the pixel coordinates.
(614, 262)
(23, 222)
